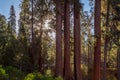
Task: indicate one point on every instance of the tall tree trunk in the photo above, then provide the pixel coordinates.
(97, 46)
(118, 63)
(90, 62)
(77, 41)
(106, 43)
(32, 32)
(58, 66)
(90, 51)
(67, 69)
(40, 47)
(40, 55)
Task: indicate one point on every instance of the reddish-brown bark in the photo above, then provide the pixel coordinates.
(118, 63)
(67, 70)
(58, 65)
(77, 41)
(97, 46)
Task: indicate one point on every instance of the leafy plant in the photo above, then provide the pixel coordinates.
(38, 76)
(14, 73)
(59, 78)
(3, 74)
(33, 76)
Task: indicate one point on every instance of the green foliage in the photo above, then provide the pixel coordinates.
(3, 74)
(12, 20)
(48, 72)
(14, 73)
(38, 76)
(33, 76)
(3, 37)
(47, 78)
(23, 56)
(9, 52)
(7, 42)
(58, 78)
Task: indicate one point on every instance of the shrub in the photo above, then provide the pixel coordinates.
(38, 76)
(33, 76)
(3, 75)
(58, 78)
(14, 73)
(47, 78)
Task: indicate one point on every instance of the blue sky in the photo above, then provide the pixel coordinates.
(5, 7)
(86, 5)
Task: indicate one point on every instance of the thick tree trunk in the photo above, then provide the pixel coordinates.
(106, 43)
(67, 69)
(77, 41)
(118, 63)
(97, 46)
(58, 66)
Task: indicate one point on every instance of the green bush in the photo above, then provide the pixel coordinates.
(3, 75)
(58, 78)
(14, 73)
(33, 76)
(47, 78)
(38, 76)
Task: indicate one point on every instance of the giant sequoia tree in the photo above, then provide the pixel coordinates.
(67, 69)
(97, 46)
(77, 41)
(58, 67)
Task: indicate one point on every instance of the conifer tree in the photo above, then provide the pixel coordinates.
(97, 46)
(12, 20)
(77, 41)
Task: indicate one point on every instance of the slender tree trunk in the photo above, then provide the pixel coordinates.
(106, 43)
(58, 66)
(89, 63)
(67, 69)
(77, 41)
(32, 32)
(118, 63)
(40, 49)
(90, 52)
(97, 46)
(40, 56)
